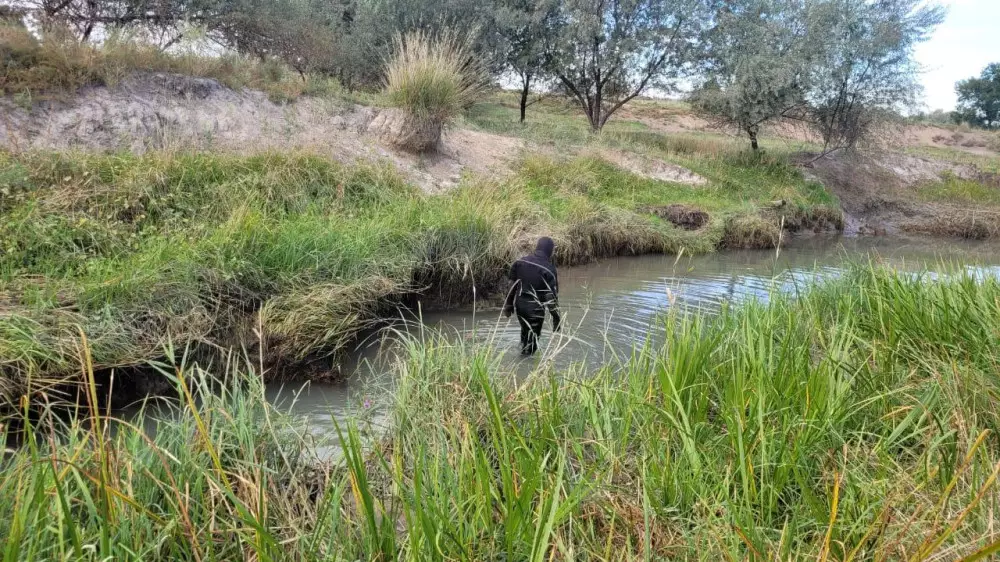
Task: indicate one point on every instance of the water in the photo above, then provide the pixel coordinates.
(612, 305)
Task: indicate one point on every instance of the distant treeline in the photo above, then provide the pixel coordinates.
(835, 65)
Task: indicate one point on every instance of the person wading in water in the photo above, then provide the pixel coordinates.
(535, 290)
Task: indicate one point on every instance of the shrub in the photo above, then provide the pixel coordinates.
(58, 63)
(993, 142)
(431, 79)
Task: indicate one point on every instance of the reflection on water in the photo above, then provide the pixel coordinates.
(612, 306)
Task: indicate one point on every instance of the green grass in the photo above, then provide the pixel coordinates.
(300, 253)
(989, 164)
(431, 77)
(952, 189)
(553, 121)
(857, 422)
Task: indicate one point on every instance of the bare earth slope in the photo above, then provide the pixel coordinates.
(167, 111)
(879, 194)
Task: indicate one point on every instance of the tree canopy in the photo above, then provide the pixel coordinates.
(979, 99)
(757, 64)
(607, 52)
(836, 65)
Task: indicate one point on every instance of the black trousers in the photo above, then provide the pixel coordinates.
(531, 317)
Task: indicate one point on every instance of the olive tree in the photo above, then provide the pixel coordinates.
(756, 64)
(863, 67)
(519, 31)
(604, 53)
(369, 33)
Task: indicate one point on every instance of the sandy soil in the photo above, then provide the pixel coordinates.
(974, 142)
(877, 195)
(166, 111)
(651, 167)
(670, 119)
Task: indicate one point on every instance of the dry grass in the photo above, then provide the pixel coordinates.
(751, 232)
(433, 77)
(57, 64)
(970, 224)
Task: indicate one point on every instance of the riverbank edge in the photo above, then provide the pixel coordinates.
(429, 289)
(639, 454)
(130, 384)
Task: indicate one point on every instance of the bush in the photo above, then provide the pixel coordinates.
(993, 143)
(58, 63)
(433, 78)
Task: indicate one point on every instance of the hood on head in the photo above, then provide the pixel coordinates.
(545, 247)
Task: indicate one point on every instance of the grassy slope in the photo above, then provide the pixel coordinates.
(858, 422)
(556, 123)
(136, 249)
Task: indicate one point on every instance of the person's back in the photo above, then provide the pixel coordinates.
(535, 290)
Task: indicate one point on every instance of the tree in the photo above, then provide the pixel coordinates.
(302, 33)
(520, 29)
(367, 38)
(757, 64)
(979, 99)
(607, 52)
(85, 17)
(863, 67)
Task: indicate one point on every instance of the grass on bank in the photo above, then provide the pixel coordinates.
(987, 164)
(952, 189)
(59, 65)
(298, 253)
(858, 422)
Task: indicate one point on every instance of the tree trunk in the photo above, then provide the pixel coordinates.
(596, 121)
(525, 90)
(753, 139)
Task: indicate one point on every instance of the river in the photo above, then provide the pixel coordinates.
(613, 305)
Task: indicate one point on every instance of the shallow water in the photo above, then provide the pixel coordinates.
(613, 305)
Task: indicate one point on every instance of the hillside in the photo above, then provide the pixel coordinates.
(162, 111)
(906, 185)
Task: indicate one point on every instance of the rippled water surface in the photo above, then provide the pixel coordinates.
(613, 305)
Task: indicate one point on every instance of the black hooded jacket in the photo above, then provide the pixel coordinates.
(539, 282)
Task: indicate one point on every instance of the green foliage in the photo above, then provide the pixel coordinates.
(979, 99)
(856, 421)
(607, 53)
(952, 189)
(433, 77)
(138, 249)
(838, 65)
(520, 31)
(59, 64)
(865, 67)
(758, 65)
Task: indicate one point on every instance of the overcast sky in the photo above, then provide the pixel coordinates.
(962, 46)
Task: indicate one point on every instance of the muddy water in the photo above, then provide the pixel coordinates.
(613, 305)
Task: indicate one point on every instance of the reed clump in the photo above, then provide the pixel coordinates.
(431, 79)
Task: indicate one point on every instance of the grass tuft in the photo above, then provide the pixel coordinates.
(433, 77)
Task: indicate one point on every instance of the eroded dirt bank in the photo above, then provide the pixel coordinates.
(880, 194)
(161, 111)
